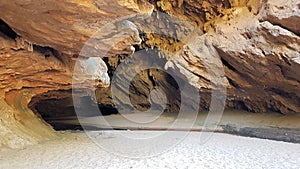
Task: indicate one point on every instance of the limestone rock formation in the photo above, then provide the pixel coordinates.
(256, 43)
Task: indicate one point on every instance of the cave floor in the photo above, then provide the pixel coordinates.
(76, 150)
(268, 126)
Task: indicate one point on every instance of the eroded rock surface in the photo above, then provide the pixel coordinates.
(256, 42)
(60, 29)
(284, 13)
(261, 61)
(66, 26)
(260, 58)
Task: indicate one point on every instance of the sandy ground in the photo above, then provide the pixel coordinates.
(76, 150)
(269, 125)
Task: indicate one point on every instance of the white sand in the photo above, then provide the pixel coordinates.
(76, 150)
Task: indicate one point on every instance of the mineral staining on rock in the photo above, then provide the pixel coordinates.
(257, 42)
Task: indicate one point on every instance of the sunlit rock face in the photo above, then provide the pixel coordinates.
(283, 13)
(255, 42)
(261, 61)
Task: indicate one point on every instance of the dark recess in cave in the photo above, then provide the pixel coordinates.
(7, 30)
(227, 64)
(158, 79)
(47, 51)
(57, 111)
(57, 107)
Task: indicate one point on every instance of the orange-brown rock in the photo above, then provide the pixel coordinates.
(67, 25)
(256, 42)
(37, 57)
(261, 62)
(260, 59)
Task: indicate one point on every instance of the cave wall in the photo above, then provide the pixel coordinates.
(40, 41)
(258, 48)
(260, 57)
(24, 74)
(257, 42)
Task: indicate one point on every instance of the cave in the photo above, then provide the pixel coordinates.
(55, 107)
(58, 109)
(62, 108)
(248, 48)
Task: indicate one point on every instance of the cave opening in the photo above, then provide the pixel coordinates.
(58, 109)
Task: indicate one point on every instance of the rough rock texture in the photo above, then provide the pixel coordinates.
(260, 59)
(24, 74)
(284, 13)
(257, 42)
(28, 70)
(261, 62)
(67, 25)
